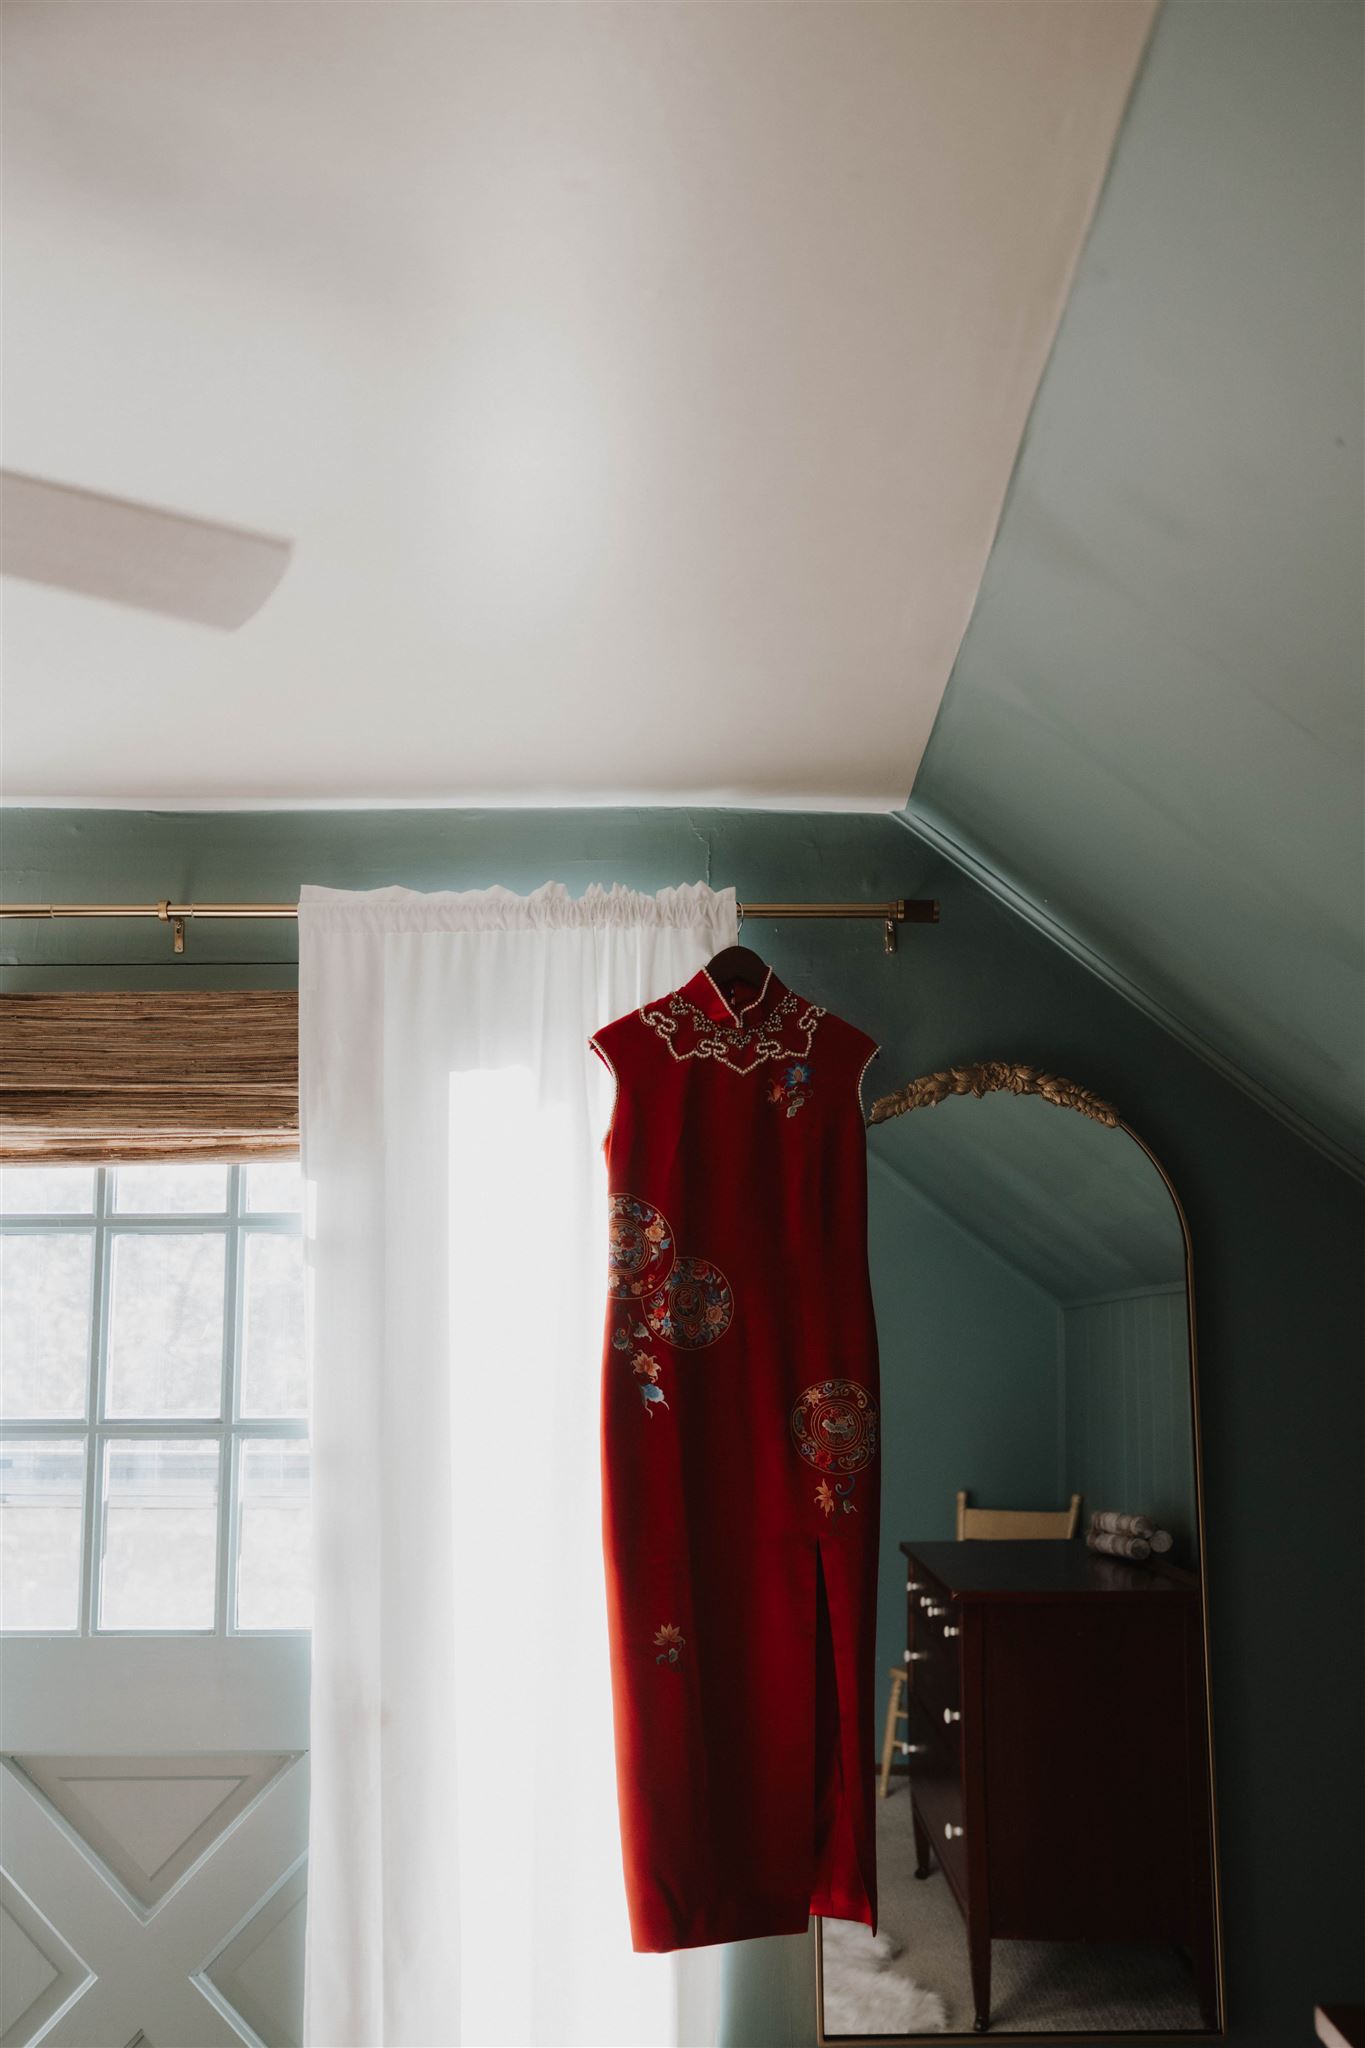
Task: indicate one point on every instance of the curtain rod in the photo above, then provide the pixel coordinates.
(902, 910)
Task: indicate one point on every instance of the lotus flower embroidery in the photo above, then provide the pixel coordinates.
(793, 1089)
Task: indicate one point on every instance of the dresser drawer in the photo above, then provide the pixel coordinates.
(940, 1716)
(936, 1786)
(935, 1682)
(934, 1665)
(934, 1739)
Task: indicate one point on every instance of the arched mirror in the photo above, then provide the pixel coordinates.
(1045, 1838)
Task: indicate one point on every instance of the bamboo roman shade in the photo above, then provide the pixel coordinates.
(208, 1074)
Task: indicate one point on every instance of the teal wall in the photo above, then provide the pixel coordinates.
(1154, 726)
(1074, 1204)
(1276, 1227)
(1127, 1437)
(971, 1383)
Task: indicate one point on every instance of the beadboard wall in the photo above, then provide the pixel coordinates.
(1126, 1393)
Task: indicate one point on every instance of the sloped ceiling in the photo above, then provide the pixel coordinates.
(1074, 1205)
(639, 384)
(1152, 735)
(747, 234)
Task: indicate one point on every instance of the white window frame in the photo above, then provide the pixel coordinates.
(236, 1224)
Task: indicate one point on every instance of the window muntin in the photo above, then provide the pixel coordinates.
(153, 1400)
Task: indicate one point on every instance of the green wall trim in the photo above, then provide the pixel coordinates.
(920, 820)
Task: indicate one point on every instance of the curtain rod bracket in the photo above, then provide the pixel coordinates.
(176, 923)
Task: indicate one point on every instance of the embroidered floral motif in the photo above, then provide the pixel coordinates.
(670, 1642)
(641, 1255)
(647, 1371)
(690, 1034)
(794, 1087)
(834, 1427)
(693, 1307)
(828, 1497)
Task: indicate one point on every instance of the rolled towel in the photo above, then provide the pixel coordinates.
(1110, 1544)
(1110, 1523)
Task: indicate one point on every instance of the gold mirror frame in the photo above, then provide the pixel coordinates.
(996, 1077)
(993, 1077)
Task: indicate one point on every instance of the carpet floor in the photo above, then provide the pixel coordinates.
(1038, 1987)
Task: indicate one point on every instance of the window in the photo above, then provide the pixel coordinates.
(153, 1399)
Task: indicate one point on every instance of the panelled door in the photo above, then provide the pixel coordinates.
(154, 1601)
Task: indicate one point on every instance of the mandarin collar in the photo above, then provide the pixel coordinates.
(704, 995)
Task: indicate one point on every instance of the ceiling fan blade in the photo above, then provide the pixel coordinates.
(135, 554)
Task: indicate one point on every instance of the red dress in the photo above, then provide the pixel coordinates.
(740, 1469)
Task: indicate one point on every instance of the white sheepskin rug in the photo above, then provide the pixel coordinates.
(869, 1989)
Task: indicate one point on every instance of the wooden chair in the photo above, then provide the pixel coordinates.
(1027, 1524)
(890, 1741)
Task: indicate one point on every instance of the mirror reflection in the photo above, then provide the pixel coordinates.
(1044, 1835)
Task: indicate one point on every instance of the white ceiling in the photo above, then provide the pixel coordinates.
(639, 383)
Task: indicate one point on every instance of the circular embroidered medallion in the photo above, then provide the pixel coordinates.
(641, 1255)
(693, 1307)
(834, 1425)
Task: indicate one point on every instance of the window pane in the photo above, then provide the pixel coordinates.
(275, 1189)
(44, 1322)
(182, 1187)
(160, 1533)
(166, 1325)
(274, 1584)
(274, 1381)
(41, 1490)
(47, 1190)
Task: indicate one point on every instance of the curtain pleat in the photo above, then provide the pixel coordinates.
(465, 1872)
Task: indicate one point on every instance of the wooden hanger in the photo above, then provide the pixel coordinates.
(737, 963)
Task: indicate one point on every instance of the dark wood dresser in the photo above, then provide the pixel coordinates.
(1058, 1749)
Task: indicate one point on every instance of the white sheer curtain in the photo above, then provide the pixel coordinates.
(464, 1869)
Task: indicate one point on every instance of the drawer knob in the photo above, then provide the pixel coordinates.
(953, 1834)
(952, 1713)
(917, 1656)
(912, 1585)
(929, 1608)
(912, 1748)
(951, 1630)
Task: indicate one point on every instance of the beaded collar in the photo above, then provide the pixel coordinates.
(696, 1022)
